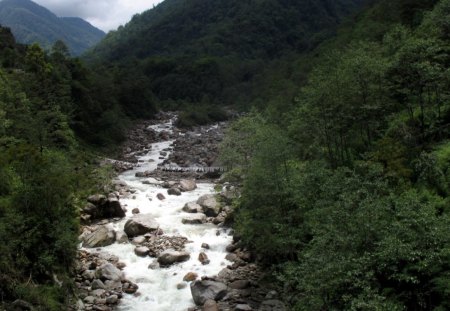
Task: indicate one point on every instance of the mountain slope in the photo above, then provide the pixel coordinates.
(249, 29)
(33, 23)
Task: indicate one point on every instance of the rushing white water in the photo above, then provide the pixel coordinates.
(158, 288)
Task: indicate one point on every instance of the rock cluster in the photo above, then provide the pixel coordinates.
(101, 207)
(100, 282)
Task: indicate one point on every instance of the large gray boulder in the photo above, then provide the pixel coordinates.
(108, 271)
(188, 185)
(140, 224)
(103, 236)
(169, 257)
(194, 219)
(192, 207)
(209, 205)
(204, 290)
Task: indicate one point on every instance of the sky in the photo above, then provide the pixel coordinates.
(104, 14)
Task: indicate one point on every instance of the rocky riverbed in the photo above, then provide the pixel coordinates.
(160, 240)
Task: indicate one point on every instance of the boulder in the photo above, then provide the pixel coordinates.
(160, 196)
(169, 257)
(97, 199)
(135, 211)
(210, 305)
(113, 299)
(192, 207)
(141, 251)
(194, 219)
(108, 271)
(181, 285)
(204, 290)
(113, 208)
(240, 284)
(140, 224)
(243, 307)
(90, 209)
(102, 236)
(203, 258)
(209, 205)
(174, 191)
(97, 284)
(205, 245)
(191, 276)
(188, 185)
(129, 287)
(121, 237)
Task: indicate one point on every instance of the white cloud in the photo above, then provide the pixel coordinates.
(104, 14)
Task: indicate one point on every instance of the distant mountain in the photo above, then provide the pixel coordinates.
(32, 23)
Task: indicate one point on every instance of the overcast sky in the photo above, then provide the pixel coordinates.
(104, 14)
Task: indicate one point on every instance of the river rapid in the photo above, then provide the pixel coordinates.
(158, 288)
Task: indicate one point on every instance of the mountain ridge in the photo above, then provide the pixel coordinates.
(33, 23)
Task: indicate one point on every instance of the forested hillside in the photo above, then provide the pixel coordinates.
(53, 113)
(200, 53)
(32, 23)
(346, 194)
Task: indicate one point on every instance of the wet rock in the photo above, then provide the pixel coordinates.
(188, 185)
(194, 219)
(135, 211)
(154, 265)
(243, 307)
(160, 196)
(231, 257)
(108, 271)
(102, 236)
(113, 299)
(192, 207)
(205, 290)
(205, 245)
(140, 224)
(170, 257)
(203, 258)
(139, 240)
(113, 208)
(141, 251)
(209, 205)
(89, 299)
(181, 285)
(129, 287)
(174, 191)
(121, 237)
(191, 276)
(88, 275)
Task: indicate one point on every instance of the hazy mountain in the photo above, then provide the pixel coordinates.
(31, 23)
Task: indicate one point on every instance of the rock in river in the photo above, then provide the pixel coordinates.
(103, 236)
(209, 204)
(140, 224)
(170, 257)
(194, 219)
(205, 290)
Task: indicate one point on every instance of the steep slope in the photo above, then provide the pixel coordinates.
(31, 23)
(248, 29)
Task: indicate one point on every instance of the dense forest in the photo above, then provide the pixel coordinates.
(343, 153)
(346, 194)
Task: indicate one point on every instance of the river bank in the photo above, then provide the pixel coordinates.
(162, 240)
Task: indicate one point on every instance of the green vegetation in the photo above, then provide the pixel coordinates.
(32, 23)
(346, 194)
(50, 108)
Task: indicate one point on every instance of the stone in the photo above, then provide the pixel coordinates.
(140, 224)
(188, 185)
(98, 292)
(243, 307)
(154, 265)
(108, 271)
(209, 205)
(174, 191)
(102, 236)
(90, 209)
(194, 219)
(210, 305)
(139, 240)
(272, 305)
(231, 257)
(191, 276)
(89, 299)
(97, 284)
(112, 285)
(97, 199)
(113, 208)
(240, 284)
(203, 258)
(141, 251)
(204, 290)
(135, 211)
(205, 245)
(160, 196)
(170, 257)
(129, 287)
(121, 237)
(181, 285)
(192, 207)
(88, 275)
(111, 300)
